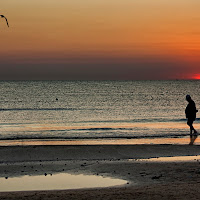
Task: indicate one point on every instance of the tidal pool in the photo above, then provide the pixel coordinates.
(56, 182)
(171, 159)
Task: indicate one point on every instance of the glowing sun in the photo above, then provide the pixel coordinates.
(196, 77)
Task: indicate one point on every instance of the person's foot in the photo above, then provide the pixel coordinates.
(195, 132)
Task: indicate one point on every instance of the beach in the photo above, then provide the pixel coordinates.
(99, 100)
(145, 179)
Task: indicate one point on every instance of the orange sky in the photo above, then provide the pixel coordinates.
(127, 34)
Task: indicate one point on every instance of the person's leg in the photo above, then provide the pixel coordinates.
(193, 127)
(190, 124)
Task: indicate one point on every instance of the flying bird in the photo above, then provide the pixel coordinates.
(2, 16)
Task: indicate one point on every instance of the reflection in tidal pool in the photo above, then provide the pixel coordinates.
(56, 182)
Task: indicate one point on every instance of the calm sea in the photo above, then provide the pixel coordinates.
(108, 110)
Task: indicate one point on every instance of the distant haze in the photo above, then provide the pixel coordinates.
(100, 40)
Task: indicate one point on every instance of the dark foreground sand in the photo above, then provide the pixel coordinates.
(185, 191)
(145, 180)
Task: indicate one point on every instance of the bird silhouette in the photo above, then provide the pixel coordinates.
(2, 16)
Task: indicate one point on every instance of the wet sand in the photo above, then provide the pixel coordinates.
(145, 180)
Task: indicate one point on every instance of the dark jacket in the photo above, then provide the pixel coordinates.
(191, 110)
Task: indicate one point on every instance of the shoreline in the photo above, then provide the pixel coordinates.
(141, 141)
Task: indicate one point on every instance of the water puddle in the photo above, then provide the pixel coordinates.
(56, 182)
(171, 159)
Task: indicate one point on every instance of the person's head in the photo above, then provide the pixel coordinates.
(188, 97)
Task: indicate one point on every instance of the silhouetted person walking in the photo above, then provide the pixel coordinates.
(190, 113)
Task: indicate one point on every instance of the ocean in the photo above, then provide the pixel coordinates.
(95, 110)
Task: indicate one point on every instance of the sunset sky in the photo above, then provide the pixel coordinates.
(100, 39)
